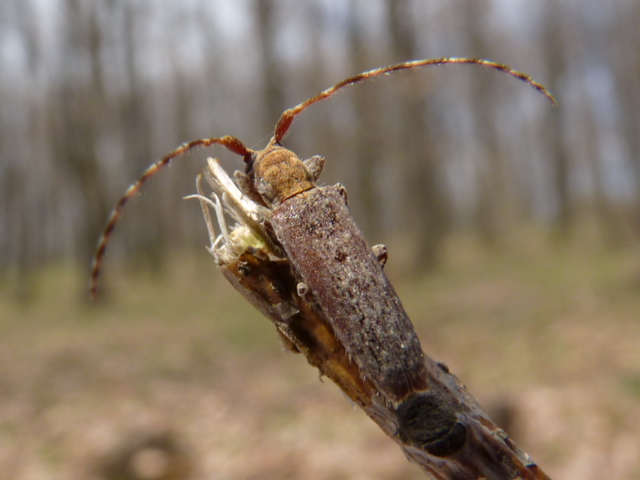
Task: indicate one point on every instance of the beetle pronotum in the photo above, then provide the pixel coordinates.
(307, 266)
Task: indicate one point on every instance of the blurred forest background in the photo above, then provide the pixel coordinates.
(513, 228)
(94, 91)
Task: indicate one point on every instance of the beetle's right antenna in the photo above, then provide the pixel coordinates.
(289, 116)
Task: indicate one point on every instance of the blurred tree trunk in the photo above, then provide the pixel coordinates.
(490, 161)
(555, 50)
(323, 138)
(425, 196)
(77, 112)
(273, 84)
(148, 239)
(21, 193)
(626, 67)
(368, 134)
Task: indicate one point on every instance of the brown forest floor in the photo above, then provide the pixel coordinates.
(551, 339)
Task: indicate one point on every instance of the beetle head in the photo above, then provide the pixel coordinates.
(278, 174)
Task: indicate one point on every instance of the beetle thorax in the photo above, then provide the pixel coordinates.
(279, 174)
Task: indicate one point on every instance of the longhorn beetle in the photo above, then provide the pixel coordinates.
(300, 258)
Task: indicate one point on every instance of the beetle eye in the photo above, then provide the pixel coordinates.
(266, 190)
(248, 168)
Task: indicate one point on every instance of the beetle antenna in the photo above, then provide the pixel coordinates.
(231, 143)
(287, 118)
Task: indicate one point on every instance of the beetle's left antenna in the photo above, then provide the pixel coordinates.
(231, 143)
